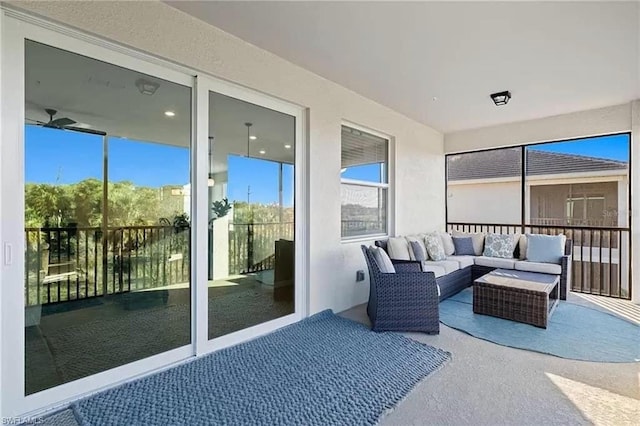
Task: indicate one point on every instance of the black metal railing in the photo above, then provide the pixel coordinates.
(252, 245)
(601, 256)
(355, 228)
(72, 263)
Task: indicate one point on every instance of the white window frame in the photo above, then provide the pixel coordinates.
(378, 185)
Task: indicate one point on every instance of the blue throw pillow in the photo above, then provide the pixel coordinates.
(545, 248)
(418, 251)
(464, 246)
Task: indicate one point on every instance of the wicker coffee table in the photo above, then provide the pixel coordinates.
(527, 297)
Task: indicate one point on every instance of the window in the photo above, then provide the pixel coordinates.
(490, 181)
(365, 183)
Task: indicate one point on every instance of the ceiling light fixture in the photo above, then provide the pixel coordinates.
(253, 138)
(287, 146)
(248, 124)
(146, 87)
(170, 113)
(501, 98)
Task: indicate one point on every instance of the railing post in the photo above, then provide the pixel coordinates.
(249, 246)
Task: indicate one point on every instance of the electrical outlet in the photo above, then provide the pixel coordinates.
(360, 275)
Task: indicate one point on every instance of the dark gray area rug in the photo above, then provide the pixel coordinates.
(322, 370)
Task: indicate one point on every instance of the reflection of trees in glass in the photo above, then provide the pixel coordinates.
(259, 225)
(154, 253)
(80, 204)
(244, 212)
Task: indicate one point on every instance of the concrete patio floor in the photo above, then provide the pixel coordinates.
(489, 384)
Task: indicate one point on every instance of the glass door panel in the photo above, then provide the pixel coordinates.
(251, 217)
(107, 216)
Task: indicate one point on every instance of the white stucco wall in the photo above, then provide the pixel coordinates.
(487, 202)
(614, 119)
(602, 121)
(160, 30)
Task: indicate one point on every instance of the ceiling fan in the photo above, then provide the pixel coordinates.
(64, 123)
(57, 123)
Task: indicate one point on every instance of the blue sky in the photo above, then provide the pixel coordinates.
(614, 147)
(68, 157)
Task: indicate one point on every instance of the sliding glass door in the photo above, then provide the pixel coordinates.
(251, 251)
(149, 215)
(107, 216)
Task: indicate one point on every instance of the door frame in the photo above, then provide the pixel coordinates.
(205, 85)
(15, 27)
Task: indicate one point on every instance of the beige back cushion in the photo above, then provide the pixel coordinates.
(447, 242)
(477, 239)
(398, 248)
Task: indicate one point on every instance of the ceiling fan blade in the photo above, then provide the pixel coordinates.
(34, 121)
(61, 122)
(83, 130)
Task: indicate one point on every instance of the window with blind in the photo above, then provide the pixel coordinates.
(365, 184)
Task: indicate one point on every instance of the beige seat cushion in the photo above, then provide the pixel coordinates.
(437, 270)
(463, 261)
(448, 265)
(496, 262)
(543, 268)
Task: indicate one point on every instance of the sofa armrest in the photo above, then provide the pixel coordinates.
(568, 247)
(565, 276)
(407, 265)
(421, 284)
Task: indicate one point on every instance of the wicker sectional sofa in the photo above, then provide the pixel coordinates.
(458, 272)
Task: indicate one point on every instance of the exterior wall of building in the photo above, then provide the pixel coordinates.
(495, 202)
(612, 119)
(549, 204)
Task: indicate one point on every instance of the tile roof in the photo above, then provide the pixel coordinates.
(501, 163)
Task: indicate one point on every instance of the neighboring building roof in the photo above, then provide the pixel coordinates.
(502, 163)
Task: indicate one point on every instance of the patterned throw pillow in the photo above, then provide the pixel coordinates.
(463, 246)
(499, 245)
(434, 246)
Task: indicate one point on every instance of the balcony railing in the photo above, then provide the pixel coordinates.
(251, 245)
(601, 255)
(74, 263)
(63, 264)
(560, 222)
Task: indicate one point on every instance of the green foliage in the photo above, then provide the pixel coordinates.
(244, 212)
(220, 208)
(81, 204)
